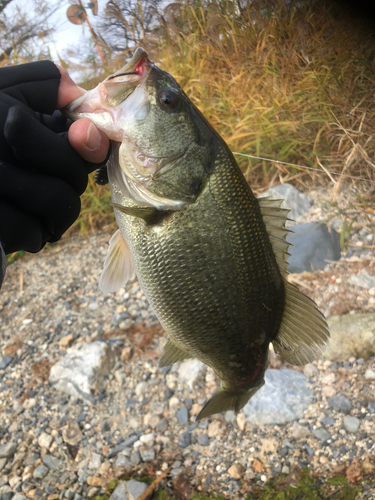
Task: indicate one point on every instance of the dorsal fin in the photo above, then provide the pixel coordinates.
(274, 219)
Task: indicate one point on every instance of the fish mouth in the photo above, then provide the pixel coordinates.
(134, 70)
(99, 104)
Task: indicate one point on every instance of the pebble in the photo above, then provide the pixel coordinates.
(40, 472)
(371, 406)
(351, 424)
(327, 421)
(190, 370)
(321, 434)
(235, 471)
(119, 492)
(203, 439)
(141, 388)
(216, 428)
(230, 416)
(182, 415)
(135, 488)
(72, 434)
(241, 421)
(4, 362)
(147, 454)
(52, 462)
(95, 461)
(135, 457)
(369, 374)
(65, 341)
(299, 431)
(184, 440)
(340, 403)
(45, 440)
(162, 425)
(7, 450)
(148, 439)
(121, 461)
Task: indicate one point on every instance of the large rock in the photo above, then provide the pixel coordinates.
(313, 246)
(351, 335)
(80, 372)
(283, 398)
(295, 201)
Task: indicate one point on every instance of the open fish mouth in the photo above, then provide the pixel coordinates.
(135, 69)
(111, 97)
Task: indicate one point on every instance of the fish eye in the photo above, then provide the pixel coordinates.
(168, 99)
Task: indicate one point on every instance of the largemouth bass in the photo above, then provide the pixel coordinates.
(209, 256)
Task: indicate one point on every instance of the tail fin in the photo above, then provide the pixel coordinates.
(227, 399)
(303, 332)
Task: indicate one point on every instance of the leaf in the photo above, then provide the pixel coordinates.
(258, 466)
(354, 473)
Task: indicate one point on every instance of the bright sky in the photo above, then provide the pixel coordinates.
(68, 34)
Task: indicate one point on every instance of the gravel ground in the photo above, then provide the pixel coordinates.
(143, 419)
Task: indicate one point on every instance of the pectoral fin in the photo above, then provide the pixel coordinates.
(172, 354)
(303, 332)
(118, 265)
(148, 214)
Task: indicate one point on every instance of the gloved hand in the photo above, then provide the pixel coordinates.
(41, 173)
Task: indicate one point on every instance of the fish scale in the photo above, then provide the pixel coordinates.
(209, 256)
(210, 303)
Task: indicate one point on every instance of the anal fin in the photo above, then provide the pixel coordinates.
(303, 332)
(226, 399)
(118, 265)
(172, 354)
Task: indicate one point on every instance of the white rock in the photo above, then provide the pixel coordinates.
(148, 439)
(45, 440)
(370, 374)
(80, 372)
(190, 370)
(95, 462)
(141, 388)
(241, 421)
(173, 402)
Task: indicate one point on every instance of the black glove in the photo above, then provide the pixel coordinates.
(41, 175)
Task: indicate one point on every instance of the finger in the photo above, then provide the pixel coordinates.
(39, 148)
(51, 200)
(29, 234)
(68, 90)
(89, 142)
(34, 84)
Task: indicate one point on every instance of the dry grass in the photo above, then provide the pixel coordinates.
(295, 84)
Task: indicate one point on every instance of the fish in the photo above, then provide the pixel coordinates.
(210, 257)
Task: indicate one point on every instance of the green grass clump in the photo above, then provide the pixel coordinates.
(12, 257)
